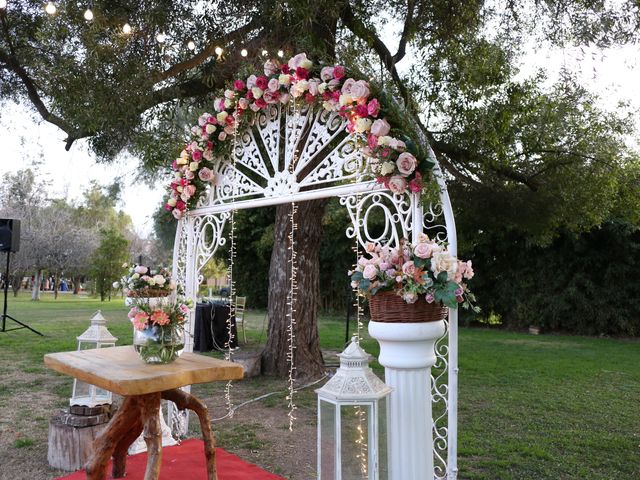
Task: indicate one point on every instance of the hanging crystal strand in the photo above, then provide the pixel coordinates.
(357, 303)
(232, 257)
(293, 264)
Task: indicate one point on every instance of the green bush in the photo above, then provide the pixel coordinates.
(585, 284)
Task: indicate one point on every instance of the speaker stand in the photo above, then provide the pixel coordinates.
(5, 316)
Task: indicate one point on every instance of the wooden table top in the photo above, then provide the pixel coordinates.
(120, 370)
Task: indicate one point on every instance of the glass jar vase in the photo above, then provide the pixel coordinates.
(159, 344)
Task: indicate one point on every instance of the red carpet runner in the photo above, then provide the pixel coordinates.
(186, 462)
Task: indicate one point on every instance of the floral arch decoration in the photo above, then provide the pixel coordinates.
(300, 132)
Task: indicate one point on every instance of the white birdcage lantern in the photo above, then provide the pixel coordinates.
(352, 421)
(96, 336)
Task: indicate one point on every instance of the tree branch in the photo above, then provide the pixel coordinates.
(208, 51)
(359, 29)
(406, 32)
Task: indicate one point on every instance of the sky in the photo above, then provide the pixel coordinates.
(614, 74)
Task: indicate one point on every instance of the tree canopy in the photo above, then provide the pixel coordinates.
(551, 156)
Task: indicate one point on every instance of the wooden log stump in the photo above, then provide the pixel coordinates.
(70, 446)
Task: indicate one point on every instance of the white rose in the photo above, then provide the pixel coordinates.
(360, 90)
(444, 262)
(229, 94)
(387, 168)
(257, 92)
(384, 140)
(141, 269)
(228, 103)
(193, 166)
(322, 88)
(251, 82)
(181, 161)
(363, 125)
(306, 64)
(172, 201)
(222, 116)
(159, 279)
(345, 99)
(284, 79)
(210, 128)
(135, 276)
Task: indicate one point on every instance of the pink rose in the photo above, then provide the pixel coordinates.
(183, 308)
(380, 127)
(271, 68)
(189, 175)
(370, 272)
(346, 86)
(205, 174)
(406, 163)
(297, 61)
(222, 136)
(313, 87)
(360, 90)
(397, 145)
(218, 104)
(373, 107)
(270, 97)
(284, 98)
(177, 214)
(338, 72)
(410, 297)
(397, 184)
(133, 312)
(239, 85)
(189, 190)
(273, 85)
(243, 103)
(196, 155)
(423, 250)
(409, 268)
(326, 74)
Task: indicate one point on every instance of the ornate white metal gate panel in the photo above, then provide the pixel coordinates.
(326, 162)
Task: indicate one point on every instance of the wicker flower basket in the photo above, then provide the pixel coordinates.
(391, 308)
(148, 293)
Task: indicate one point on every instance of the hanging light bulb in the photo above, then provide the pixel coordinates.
(264, 53)
(161, 37)
(218, 51)
(126, 29)
(191, 45)
(244, 52)
(3, 4)
(280, 53)
(88, 15)
(50, 8)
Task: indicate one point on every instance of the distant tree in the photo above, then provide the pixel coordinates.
(107, 261)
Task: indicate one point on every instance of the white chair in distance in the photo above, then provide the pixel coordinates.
(239, 308)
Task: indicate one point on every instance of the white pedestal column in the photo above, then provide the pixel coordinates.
(407, 353)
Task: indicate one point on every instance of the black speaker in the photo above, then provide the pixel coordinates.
(9, 235)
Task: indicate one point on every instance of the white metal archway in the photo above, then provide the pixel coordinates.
(293, 155)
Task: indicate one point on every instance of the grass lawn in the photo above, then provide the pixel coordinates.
(531, 407)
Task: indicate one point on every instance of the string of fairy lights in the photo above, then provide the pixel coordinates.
(127, 29)
(293, 287)
(230, 279)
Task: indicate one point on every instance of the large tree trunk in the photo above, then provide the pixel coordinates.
(307, 357)
(35, 292)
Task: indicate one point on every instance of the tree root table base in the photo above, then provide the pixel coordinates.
(140, 413)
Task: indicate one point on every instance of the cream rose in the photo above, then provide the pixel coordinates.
(222, 116)
(363, 125)
(444, 262)
(387, 168)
